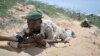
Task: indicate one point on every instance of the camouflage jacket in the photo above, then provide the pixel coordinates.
(49, 30)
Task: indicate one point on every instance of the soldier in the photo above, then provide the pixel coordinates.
(86, 23)
(39, 31)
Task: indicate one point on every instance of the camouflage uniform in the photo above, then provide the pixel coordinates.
(49, 30)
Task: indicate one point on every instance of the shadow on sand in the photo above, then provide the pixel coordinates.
(32, 51)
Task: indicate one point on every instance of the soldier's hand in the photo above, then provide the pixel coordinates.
(38, 37)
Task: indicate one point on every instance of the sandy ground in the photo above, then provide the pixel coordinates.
(86, 43)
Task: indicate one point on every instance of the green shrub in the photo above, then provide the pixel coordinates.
(5, 5)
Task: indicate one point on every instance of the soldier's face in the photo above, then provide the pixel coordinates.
(34, 25)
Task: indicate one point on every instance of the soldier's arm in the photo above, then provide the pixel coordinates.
(49, 36)
(8, 38)
(17, 37)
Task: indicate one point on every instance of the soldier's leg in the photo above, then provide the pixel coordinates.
(62, 37)
(67, 35)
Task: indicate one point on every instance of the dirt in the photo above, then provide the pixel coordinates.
(86, 43)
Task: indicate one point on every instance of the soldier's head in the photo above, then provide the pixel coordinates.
(34, 20)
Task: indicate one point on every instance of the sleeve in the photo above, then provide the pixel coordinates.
(49, 33)
(21, 34)
(22, 31)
